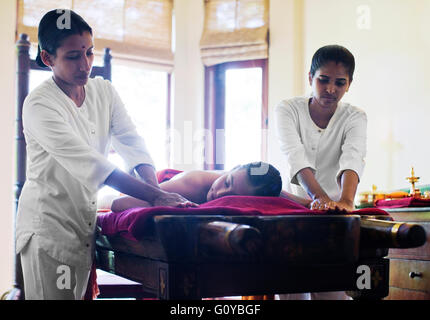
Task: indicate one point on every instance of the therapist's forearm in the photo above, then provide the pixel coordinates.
(147, 173)
(348, 183)
(292, 197)
(131, 186)
(307, 180)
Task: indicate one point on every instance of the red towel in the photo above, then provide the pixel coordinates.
(403, 203)
(166, 174)
(132, 223)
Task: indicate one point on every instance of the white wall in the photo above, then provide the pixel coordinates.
(286, 65)
(188, 99)
(7, 136)
(391, 82)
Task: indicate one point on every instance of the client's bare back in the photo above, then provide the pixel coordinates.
(193, 185)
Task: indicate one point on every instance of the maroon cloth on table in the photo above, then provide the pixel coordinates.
(131, 223)
(166, 174)
(403, 203)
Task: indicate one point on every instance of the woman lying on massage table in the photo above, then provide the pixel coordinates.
(198, 186)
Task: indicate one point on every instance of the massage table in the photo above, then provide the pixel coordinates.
(201, 256)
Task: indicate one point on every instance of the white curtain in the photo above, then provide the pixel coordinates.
(235, 30)
(135, 30)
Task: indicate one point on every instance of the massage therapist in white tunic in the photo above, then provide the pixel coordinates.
(322, 138)
(69, 124)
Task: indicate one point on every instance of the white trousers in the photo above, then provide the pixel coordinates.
(48, 279)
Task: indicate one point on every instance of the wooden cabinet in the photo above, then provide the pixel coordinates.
(410, 268)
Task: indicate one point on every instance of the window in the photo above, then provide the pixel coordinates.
(146, 96)
(236, 113)
(242, 115)
(234, 49)
(144, 93)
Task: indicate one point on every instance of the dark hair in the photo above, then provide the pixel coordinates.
(265, 177)
(336, 54)
(52, 30)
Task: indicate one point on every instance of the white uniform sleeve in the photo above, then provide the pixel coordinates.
(49, 129)
(125, 139)
(354, 145)
(290, 141)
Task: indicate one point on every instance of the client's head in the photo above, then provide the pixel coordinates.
(252, 179)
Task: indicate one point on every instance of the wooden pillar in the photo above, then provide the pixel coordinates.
(107, 64)
(23, 68)
(214, 117)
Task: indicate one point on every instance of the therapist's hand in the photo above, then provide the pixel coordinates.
(322, 203)
(344, 205)
(341, 206)
(167, 199)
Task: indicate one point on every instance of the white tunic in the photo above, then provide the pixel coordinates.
(327, 152)
(67, 163)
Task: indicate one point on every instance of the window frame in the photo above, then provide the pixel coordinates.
(214, 112)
